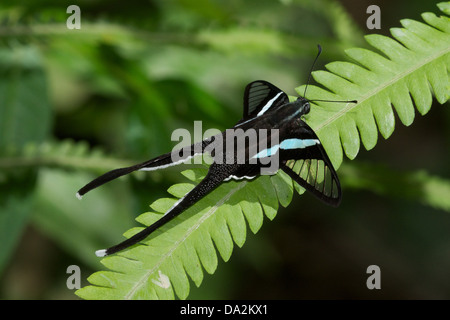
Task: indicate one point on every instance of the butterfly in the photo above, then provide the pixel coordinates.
(267, 109)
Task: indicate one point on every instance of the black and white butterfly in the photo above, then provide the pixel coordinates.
(299, 152)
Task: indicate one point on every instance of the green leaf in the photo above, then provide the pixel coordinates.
(15, 207)
(415, 186)
(395, 77)
(61, 154)
(25, 117)
(25, 113)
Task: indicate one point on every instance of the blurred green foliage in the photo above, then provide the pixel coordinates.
(76, 103)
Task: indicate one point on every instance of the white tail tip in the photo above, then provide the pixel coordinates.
(79, 196)
(100, 253)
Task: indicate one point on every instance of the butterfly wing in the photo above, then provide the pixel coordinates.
(216, 175)
(260, 96)
(161, 162)
(304, 159)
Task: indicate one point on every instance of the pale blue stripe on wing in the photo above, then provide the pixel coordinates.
(269, 104)
(294, 143)
(288, 144)
(267, 152)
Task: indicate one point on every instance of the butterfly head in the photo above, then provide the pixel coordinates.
(303, 105)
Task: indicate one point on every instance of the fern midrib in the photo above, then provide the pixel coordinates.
(143, 280)
(348, 107)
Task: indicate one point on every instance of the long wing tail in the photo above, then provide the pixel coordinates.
(163, 161)
(209, 183)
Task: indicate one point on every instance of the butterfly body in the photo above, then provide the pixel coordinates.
(268, 114)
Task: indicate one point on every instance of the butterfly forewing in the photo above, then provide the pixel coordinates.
(260, 96)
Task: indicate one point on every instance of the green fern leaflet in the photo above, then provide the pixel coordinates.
(402, 75)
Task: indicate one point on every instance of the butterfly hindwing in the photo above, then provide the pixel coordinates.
(306, 162)
(261, 96)
(316, 176)
(166, 160)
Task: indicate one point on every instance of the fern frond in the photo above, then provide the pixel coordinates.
(63, 154)
(405, 74)
(420, 186)
(184, 246)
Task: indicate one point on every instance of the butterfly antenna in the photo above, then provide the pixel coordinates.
(344, 101)
(312, 67)
(309, 78)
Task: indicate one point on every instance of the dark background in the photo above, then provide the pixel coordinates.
(111, 93)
